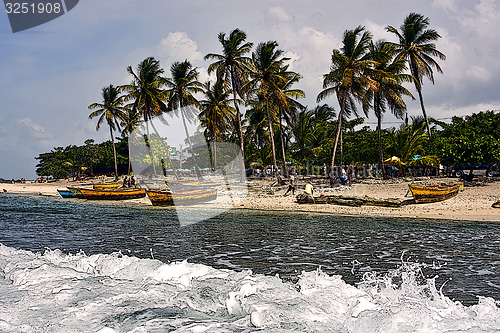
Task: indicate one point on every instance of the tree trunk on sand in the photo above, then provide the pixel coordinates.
(271, 134)
(114, 152)
(240, 130)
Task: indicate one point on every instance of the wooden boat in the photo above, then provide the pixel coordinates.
(184, 197)
(106, 186)
(66, 194)
(114, 194)
(496, 204)
(434, 192)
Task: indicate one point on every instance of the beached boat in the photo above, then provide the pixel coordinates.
(496, 204)
(66, 194)
(184, 197)
(434, 192)
(106, 186)
(113, 194)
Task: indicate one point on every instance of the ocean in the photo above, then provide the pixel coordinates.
(73, 266)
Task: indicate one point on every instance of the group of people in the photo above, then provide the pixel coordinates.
(129, 182)
(308, 190)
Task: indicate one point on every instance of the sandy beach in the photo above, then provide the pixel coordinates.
(471, 204)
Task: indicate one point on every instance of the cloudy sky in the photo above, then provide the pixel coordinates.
(51, 73)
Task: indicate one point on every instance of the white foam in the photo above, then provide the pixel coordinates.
(57, 292)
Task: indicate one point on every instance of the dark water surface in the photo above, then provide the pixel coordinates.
(465, 255)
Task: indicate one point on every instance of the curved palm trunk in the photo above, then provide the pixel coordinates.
(271, 133)
(418, 86)
(238, 115)
(148, 136)
(283, 157)
(379, 132)
(339, 129)
(114, 152)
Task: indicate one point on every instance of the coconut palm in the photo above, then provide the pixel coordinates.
(348, 77)
(416, 48)
(216, 114)
(147, 94)
(111, 109)
(231, 67)
(180, 89)
(268, 78)
(387, 91)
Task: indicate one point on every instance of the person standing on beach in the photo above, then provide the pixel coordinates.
(291, 185)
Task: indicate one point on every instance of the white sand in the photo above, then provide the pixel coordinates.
(474, 203)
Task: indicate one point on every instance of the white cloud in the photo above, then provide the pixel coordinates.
(178, 46)
(33, 130)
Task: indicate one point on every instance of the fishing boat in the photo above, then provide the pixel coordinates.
(496, 204)
(113, 194)
(434, 192)
(106, 186)
(184, 197)
(66, 194)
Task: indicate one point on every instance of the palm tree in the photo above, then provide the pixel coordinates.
(231, 67)
(267, 78)
(180, 89)
(147, 94)
(216, 114)
(416, 48)
(111, 109)
(348, 77)
(387, 90)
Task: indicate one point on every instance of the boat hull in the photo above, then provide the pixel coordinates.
(120, 194)
(433, 193)
(188, 197)
(66, 194)
(106, 186)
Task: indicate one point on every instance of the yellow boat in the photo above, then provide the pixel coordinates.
(184, 197)
(434, 192)
(113, 194)
(106, 186)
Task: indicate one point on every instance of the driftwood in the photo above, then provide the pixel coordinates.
(350, 201)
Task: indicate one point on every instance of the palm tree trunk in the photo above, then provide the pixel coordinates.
(271, 133)
(240, 130)
(114, 151)
(380, 151)
(283, 156)
(148, 136)
(418, 86)
(424, 112)
(339, 128)
(197, 170)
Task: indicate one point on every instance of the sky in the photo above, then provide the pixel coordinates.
(51, 73)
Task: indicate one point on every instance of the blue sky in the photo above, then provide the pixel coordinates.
(51, 73)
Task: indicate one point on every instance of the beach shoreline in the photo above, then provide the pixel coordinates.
(471, 204)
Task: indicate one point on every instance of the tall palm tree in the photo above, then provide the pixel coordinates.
(348, 77)
(387, 91)
(147, 94)
(217, 114)
(111, 109)
(415, 46)
(268, 78)
(180, 89)
(231, 67)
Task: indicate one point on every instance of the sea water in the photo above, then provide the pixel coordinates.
(73, 266)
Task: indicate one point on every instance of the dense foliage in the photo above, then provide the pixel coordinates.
(254, 104)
